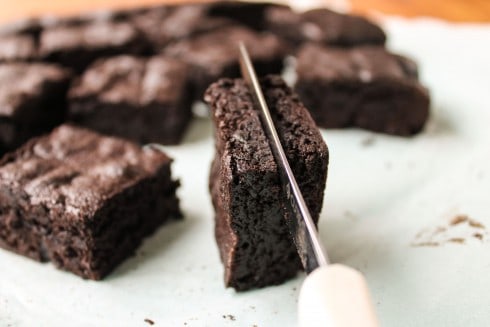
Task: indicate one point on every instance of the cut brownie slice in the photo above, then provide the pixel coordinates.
(215, 54)
(32, 101)
(323, 26)
(77, 46)
(143, 99)
(365, 87)
(82, 200)
(254, 242)
(17, 48)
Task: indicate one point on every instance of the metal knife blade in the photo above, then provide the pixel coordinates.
(299, 221)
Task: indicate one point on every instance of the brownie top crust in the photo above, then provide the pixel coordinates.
(166, 24)
(77, 169)
(17, 48)
(132, 80)
(25, 26)
(363, 64)
(216, 49)
(240, 130)
(91, 36)
(324, 26)
(251, 14)
(30, 82)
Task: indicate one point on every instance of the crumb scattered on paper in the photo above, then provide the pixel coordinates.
(149, 321)
(478, 236)
(368, 141)
(459, 219)
(230, 317)
(460, 229)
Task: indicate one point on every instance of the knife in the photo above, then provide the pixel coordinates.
(332, 295)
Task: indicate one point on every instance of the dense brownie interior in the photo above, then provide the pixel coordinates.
(251, 232)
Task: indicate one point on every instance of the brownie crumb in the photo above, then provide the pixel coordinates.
(459, 219)
(459, 229)
(478, 236)
(231, 317)
(475, 224)
(149, 321)
(368, 141)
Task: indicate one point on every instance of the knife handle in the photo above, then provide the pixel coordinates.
(335, 296)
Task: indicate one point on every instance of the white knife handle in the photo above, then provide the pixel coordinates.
(335, 296)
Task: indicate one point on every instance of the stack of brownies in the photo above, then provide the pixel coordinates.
(80, 96)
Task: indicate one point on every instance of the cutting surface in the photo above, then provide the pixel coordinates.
(411, 214)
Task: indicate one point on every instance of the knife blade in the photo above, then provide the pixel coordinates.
(331, 295)
(300, 222)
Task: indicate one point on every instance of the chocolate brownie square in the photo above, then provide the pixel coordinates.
(215, 54)
(32, 101)
(147, 100)
(17, 48)
(78, 46)
(82, 200)
(251, 232)
(323, 26)
(162, 25)
(366, 87)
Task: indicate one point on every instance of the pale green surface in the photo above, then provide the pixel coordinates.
(378, 198)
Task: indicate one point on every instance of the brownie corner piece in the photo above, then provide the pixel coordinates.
(82, 200)
(32, 101)
(251, 232)
(366, 87)
(147, 100)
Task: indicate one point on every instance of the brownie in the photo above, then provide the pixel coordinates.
(215, 54)
(143, 99)
(78, 46)
(26, 26)
(82, 200)
(366, 87)
(251, 14)
(17, 48)
(253, 239)
(32, 101)
(162, 25)
(323, 26)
